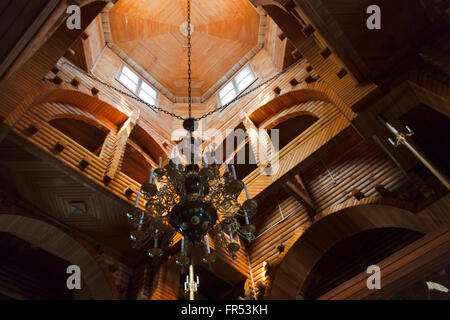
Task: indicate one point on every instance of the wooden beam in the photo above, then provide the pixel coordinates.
(297, 189)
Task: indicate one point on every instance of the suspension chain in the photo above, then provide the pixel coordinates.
(156, 108)
(189, 55)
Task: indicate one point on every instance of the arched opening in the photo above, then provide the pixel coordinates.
(294, 274)
(147, 144)
(244, 161)
(28, 272)
(352, 256)
(89, 136)
(285, 101)
(57, 243)
(135, 165)
(289, 129)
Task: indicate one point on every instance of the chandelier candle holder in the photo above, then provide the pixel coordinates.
(192, 199)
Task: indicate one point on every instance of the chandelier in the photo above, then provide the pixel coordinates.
(192, 195)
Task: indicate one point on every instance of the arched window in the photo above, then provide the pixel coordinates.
(87, 135)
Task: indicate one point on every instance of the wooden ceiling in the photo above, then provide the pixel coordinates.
(149, 32)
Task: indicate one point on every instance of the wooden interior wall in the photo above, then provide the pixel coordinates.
(285, 221)
(362, 166)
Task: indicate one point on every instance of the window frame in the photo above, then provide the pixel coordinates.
(235, 83)
(138, 85)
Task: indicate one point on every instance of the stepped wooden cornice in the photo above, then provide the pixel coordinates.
(320, 57)
(19, 85)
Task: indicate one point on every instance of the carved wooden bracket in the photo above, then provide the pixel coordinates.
(297, 189)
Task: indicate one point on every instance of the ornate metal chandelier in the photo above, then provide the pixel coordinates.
(192, 199)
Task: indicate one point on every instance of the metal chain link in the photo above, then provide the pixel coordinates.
(189, 55)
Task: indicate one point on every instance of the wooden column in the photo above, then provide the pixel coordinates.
(119, 146)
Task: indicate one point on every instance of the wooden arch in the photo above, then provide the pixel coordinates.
(62, 245)
(318, 91)
(281, 117)
(148, 144)
(292, 273)
(102, 110)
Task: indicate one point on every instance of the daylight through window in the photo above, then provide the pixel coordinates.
(133, 82)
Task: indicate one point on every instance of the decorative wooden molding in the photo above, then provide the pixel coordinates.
(294, 82)
(308, 30)
(128, 192)
(58, 148)
(57, 80)
(357, 194)
(83, 164)
(325, 53)
(94, 91)
(75, 82)
(32, 130)
(342, 73)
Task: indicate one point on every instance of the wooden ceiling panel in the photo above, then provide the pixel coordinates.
(149, 32)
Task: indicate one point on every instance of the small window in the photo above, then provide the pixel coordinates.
(132, 81)
(236, 85)
(147, 93)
